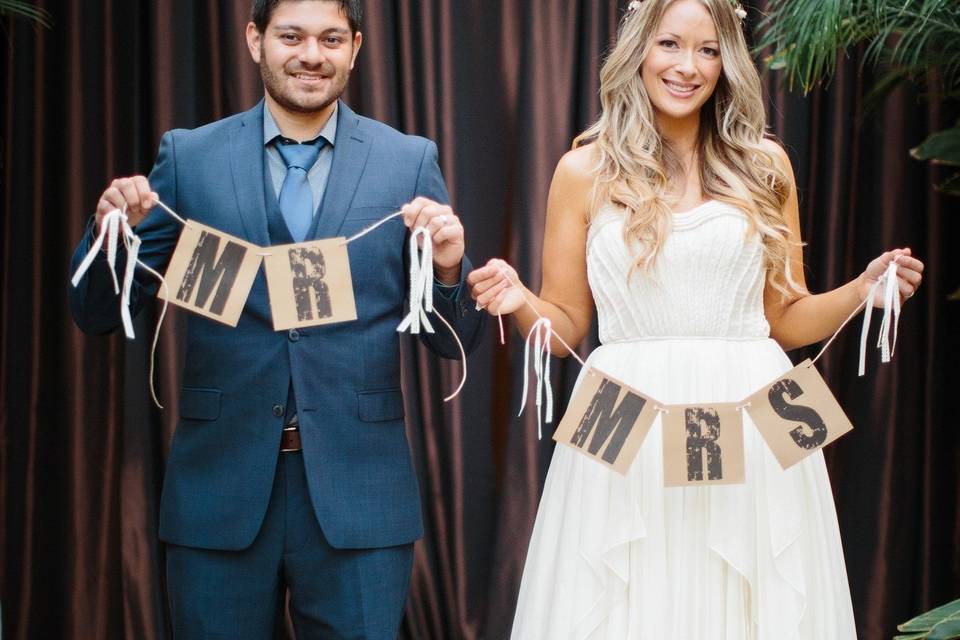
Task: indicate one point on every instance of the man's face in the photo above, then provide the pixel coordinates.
(305, 54)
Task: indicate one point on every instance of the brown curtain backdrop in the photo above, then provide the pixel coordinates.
(503, 87)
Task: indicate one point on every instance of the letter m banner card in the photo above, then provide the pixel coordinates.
(310, 284)
(211, 273)
(797, 414)
(606, 420)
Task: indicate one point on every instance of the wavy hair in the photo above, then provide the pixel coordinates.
(635, 165)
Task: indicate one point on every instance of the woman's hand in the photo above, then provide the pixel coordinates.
(909, 275)
(496, 288)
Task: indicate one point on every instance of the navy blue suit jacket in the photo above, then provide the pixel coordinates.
(346, 377)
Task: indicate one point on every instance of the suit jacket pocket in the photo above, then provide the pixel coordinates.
(380, 406)
(200, 404)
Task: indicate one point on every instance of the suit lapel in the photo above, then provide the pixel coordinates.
(246, 162)
(349, 157)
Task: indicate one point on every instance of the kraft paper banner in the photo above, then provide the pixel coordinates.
(703, 445)
(606, 420)
(797, 414)
(310, 284)
(211, 273)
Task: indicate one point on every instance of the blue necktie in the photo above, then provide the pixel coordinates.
(296, 198)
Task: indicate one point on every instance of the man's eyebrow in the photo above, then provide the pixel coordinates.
(294, 27)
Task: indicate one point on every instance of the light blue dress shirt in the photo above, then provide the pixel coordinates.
(319, 172)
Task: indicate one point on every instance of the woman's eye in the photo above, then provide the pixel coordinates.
(711, 52)
(669, 44)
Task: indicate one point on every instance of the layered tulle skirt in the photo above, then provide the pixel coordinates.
(614, 557)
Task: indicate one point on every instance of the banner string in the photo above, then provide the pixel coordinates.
(421, 293)
(113, 226)
(891, 302)
(421, 280)
(359, 235)
(891, 307)
(540, 334)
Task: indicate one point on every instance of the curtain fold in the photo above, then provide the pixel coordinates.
(503, 87)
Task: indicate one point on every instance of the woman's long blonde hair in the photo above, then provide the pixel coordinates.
(635, 165)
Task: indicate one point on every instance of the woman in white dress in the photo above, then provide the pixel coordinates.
(677, 218)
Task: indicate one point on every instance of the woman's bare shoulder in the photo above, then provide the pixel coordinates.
(579, 165)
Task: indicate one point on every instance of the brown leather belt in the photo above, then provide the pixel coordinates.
(290, 439)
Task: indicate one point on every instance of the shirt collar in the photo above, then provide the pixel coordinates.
(271, 131)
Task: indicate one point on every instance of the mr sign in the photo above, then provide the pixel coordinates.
(211, 273)
(310, 284)
(702, 445)
(606, 420)
(797, 415)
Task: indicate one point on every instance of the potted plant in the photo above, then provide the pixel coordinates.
(904, 40)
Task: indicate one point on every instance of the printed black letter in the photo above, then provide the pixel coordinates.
(604, 417)
(309, 267)
(799, 413)
(205, 267)
(697, 441)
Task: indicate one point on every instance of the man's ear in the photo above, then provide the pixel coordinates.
(357, 41)
(254, 40)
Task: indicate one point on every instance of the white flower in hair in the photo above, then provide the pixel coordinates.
(741, 12)
(634, 5)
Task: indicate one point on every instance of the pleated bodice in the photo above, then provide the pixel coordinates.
(707, 281)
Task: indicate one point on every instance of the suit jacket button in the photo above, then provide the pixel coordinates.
(294, 335)
(278, 410)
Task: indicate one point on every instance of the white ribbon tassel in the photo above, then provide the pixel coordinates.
(540, 334)
(421, 283)
(133, 254)
(421, 295)
(891, 317)
(111, 227)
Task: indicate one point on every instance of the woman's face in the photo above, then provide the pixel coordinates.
(683, 65)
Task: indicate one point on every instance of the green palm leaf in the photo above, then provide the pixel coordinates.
(26, 10)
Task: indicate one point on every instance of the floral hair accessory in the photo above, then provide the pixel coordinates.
(738, 9)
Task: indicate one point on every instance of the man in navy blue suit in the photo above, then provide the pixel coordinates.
(289, 471)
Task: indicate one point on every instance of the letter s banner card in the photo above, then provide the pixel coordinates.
(797, 414)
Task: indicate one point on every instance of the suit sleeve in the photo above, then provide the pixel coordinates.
(457, 309)
(93, 302)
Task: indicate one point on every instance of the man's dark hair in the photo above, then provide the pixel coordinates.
(262, 10)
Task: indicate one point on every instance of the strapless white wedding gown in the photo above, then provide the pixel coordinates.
(617, 558)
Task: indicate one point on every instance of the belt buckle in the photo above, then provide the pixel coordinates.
(291, 428)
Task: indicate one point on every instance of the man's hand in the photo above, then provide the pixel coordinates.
(133, 193)
(445, 231)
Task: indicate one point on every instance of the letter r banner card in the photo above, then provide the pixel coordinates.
(606, 420)
(211, 273)
(310, 284)
(797, 414)
(703, 445)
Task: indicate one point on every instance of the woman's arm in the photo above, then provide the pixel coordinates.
(799, 320)
(565, 295)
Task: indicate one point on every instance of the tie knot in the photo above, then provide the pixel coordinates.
(302, 156)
